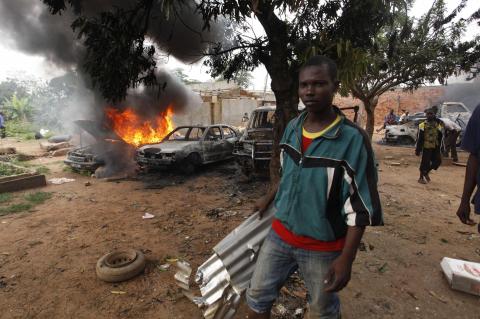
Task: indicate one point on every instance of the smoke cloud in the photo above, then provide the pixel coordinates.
(32, 29)
(467, 93)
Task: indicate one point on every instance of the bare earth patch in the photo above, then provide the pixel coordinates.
(48, 254)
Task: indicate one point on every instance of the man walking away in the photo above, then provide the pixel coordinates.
(429, 142)
(452, 131)
(326, 196)
(471, 144)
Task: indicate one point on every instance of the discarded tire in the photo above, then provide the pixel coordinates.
(120, 265)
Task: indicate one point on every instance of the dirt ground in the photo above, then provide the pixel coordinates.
(48, 254)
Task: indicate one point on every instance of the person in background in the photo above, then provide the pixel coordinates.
(429, 142)
(390, 119)
(404, 116)
(3, 132)
(452, 131)
(245, 118)
(471, 144)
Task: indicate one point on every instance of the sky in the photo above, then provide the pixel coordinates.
(16, 64)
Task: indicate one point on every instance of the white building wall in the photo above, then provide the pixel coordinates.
(234, 109)
(199, 115)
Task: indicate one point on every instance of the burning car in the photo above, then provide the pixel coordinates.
(188, 147)
(108, 149)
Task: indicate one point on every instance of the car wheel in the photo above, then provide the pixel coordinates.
(405, 140)
(120, 265)
(190, 164)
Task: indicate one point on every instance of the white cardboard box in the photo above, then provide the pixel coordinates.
(462, 275)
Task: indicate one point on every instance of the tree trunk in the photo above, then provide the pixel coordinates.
(286, 109)
(284, 77)
(370, 105)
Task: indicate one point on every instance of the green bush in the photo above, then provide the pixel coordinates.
(20, 129)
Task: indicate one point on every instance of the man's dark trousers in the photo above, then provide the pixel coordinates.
(451, 144)
(431, 159)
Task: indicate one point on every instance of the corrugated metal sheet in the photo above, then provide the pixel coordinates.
(226, 274)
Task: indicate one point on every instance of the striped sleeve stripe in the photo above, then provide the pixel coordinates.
(376, 215)
(355, 208)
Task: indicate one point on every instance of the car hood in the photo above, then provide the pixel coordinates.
(397, 129)
(168, 146)
(97, 130)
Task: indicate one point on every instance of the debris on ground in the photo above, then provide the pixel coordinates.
(7, 150)
(148, 216)
(221, 212)
(60, 152)
(59, 139)
(54, 146)
(60, 180)
(163, 267)
(462, 275)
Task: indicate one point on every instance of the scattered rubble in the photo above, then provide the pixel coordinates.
(7, 150)
(54, 146)
(148, 216)
(60, 180)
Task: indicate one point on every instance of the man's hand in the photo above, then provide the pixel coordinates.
(261, 205)
(339, 274)
(463, 214)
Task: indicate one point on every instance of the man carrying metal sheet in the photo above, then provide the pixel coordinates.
(326, 196)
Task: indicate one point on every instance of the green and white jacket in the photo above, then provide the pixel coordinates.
(331, 186)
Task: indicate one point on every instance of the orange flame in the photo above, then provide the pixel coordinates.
(128, 125)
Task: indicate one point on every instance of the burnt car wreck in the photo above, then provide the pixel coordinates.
(188, 147)
(107, 155)
(254, 149)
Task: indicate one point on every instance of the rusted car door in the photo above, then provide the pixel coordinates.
(213, 144)
(229, 138)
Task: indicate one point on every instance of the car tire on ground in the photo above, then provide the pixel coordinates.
(190, 164)
(120, 265)
(405, 140)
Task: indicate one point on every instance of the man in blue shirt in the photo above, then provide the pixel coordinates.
(2, 126)
(471, 144)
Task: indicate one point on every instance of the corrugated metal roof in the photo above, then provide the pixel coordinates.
(226, 274)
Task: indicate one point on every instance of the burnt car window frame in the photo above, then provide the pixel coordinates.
(185, 138)
(232, 133)
(211, 128)
(199, 137)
